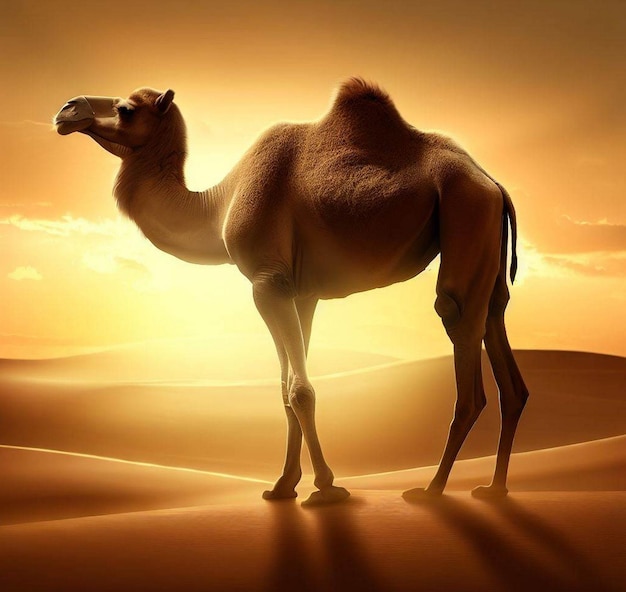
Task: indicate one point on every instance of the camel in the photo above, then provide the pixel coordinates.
(357, 200)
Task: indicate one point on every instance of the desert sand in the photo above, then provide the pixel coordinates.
(116, 477)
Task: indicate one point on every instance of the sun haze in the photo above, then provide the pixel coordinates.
(532, 91)
(152, 449)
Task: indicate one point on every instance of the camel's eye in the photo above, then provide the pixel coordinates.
(125, 112)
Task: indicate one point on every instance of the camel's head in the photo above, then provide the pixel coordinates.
(121, 126)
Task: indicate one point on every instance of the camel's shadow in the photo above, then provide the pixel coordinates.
(518, 549)
(319, 549)
(335, 548)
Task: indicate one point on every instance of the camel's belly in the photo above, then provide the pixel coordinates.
(335, 281)
(354, 255)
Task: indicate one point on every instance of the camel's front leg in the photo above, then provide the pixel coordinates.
(292, 472)
(276, 304)
(285, 487)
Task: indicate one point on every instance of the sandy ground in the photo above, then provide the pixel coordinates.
(134, 484)
(74, 522)
(375, 542)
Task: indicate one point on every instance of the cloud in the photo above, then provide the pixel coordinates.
(132, 265)
(25, 273)
(105, 261)
(100, 261)
(579, 236)
(591, 264)
(592, 249)
(15, 205)
(108, 246)
(536, 263)
(66, 226)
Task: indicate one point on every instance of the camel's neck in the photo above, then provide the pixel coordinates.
(186, 224)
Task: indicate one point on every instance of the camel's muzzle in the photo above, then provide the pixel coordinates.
(78, 113)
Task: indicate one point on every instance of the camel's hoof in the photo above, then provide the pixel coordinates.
(328, 495)
(421, 494)
(279, 494)
(490, 492)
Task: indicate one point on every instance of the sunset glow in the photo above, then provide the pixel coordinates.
(146, 440)
(542, 113)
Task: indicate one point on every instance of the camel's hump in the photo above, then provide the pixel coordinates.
(364, 115)
(357, 90)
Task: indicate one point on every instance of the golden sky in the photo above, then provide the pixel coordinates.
(534, 90)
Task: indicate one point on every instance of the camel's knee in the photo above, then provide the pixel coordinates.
(499, 298)
(466, 413)
(512, 406)
(464, 325)
(302, 398)
(448, 309)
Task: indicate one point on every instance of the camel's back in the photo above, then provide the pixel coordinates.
(363, 204)
(362, 153)
(361, 117)
(351, 198)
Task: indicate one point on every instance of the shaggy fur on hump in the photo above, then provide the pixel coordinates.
(363, 101)
(355, 89)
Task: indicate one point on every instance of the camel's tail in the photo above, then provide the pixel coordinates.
(509, 218)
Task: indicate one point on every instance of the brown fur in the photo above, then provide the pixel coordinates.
(355, 89)
(164, 154)
(357, 200)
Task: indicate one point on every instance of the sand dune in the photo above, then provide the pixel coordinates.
(239, 358)
(231, 540)
(48, 485)
(384, 418)
(599, 465)
(74, 522)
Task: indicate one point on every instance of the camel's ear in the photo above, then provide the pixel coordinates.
(164, 101)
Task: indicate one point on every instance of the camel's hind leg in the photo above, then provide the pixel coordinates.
(470, 402)
(512, 390)
(470, 229)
